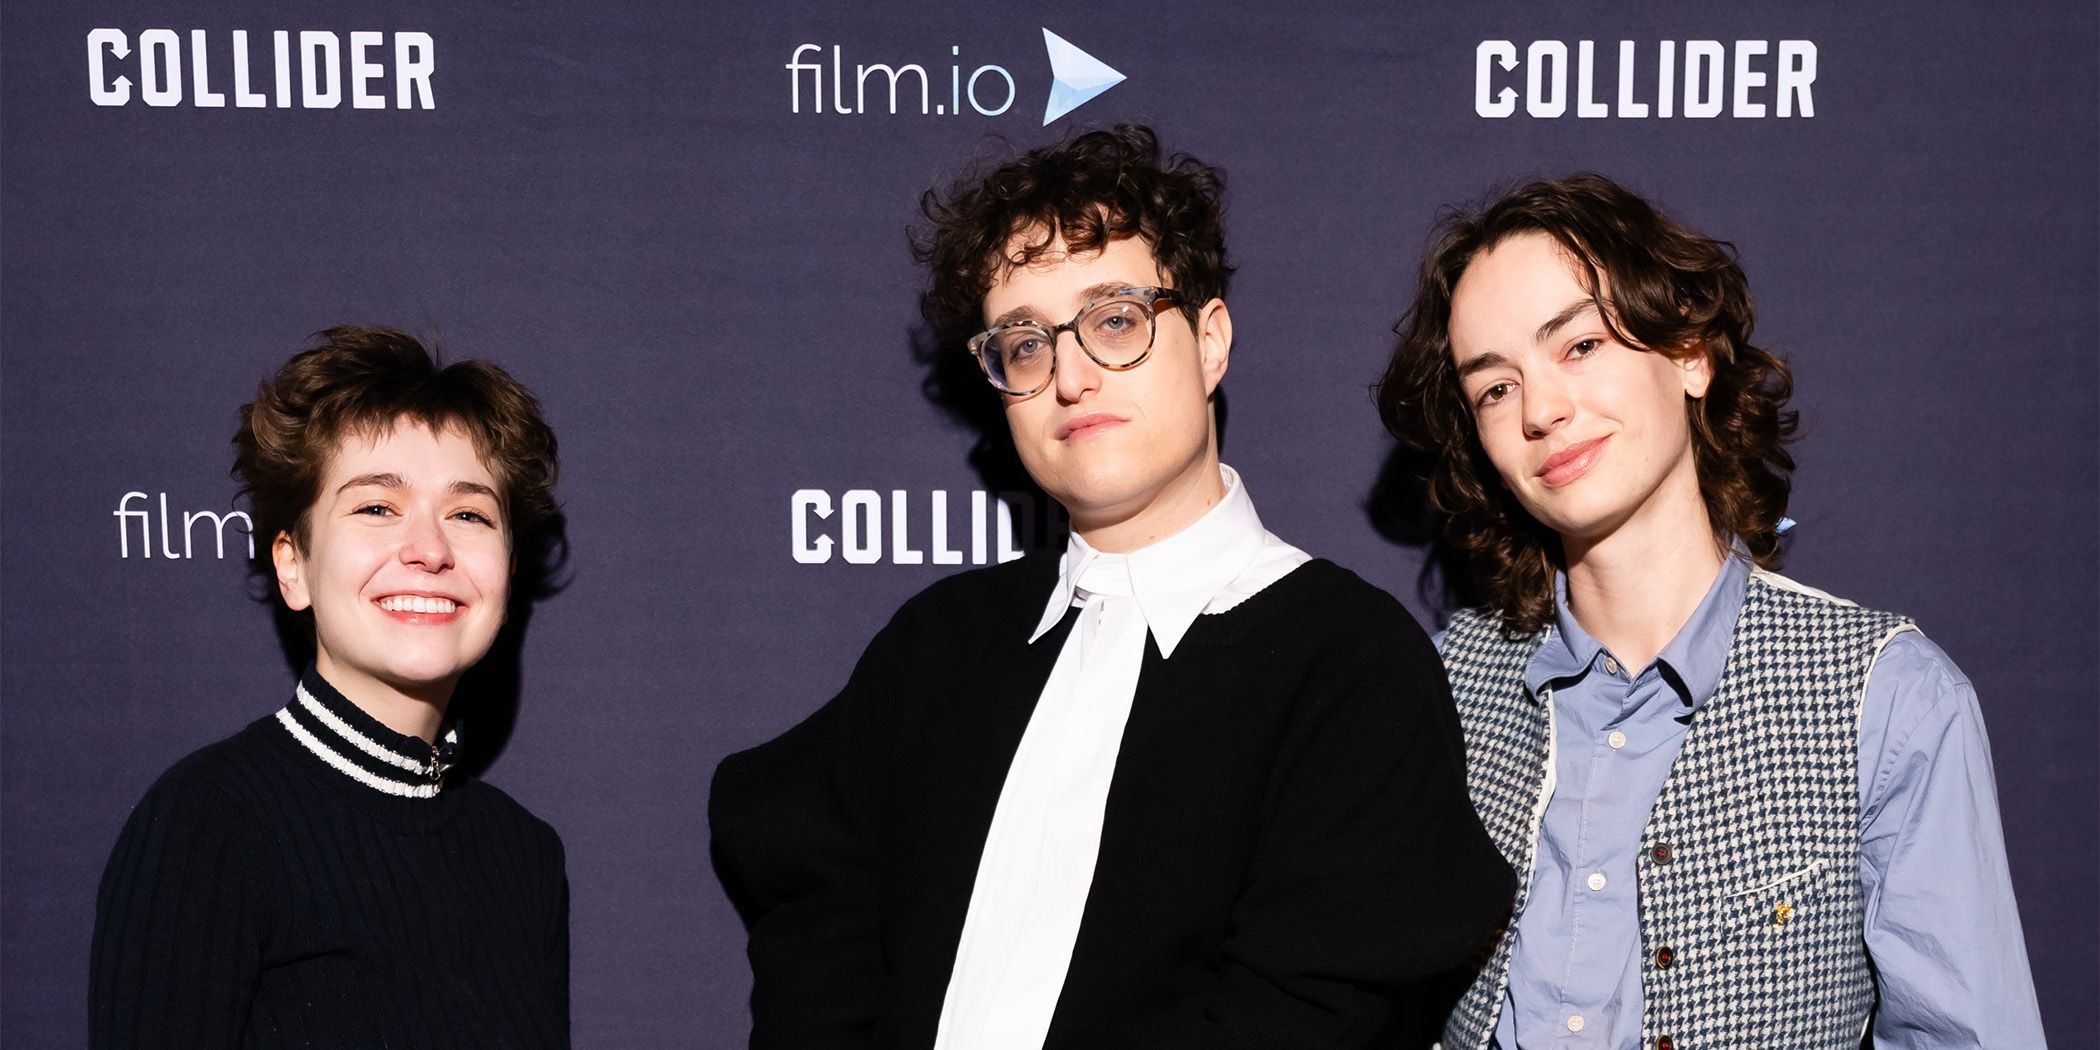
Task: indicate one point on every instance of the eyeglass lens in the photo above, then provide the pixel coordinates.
(1117, 332)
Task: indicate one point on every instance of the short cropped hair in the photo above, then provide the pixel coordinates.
(1660, 287)
(1098, 187)
(357, 381)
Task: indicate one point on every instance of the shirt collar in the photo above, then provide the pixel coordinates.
(1693, 661)
(1175, 579)
(339, 733)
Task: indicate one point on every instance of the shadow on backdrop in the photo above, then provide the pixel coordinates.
(485, 706)
(1399, 509)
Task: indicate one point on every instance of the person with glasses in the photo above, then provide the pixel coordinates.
(1178, 784)
(1744, 813)
(325, 877)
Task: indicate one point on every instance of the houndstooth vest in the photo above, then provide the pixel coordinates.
(1750, 910)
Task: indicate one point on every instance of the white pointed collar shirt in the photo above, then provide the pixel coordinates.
(1038, 861)
(1219, 561)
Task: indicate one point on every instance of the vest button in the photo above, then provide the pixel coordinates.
(1664, 956)
(1663, 1042)
(1661, 854)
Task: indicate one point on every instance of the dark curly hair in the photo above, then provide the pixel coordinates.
(1659, 287)
(365, 381)
(1098, 187)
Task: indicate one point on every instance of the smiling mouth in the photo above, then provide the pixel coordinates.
(416, 603)
(1570, 463)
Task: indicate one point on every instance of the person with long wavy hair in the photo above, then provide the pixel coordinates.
(1742, 812)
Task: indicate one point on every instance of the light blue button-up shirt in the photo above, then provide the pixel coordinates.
(1950, 963)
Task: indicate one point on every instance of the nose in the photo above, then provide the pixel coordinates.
(1547, 405)
(425, 546)
(1077, 374)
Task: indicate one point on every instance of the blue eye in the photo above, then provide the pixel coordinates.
(1021, 346)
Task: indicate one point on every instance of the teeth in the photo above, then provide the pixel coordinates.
(410, 603)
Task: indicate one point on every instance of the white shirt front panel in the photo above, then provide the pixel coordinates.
(1038, 860)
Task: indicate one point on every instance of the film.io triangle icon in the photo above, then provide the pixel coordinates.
(1075, 77)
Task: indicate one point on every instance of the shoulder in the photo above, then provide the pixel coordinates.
(1318, 600)
(1333, 615)
(214, 802)
(1468, 625)
(1322, 585)
(1324, 580)
(232, 775)
(1477, 639)
(1911, 657)
(1915, 694)
(492, 807)
(1019, 585)
(1795, 600)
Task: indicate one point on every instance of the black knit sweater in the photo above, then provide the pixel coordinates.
(312, 881)
(1287, 840)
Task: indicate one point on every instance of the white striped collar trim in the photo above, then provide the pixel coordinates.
(351, 769)
(423, 778)
(359, 740)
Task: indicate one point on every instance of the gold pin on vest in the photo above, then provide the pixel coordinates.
(1782, 913)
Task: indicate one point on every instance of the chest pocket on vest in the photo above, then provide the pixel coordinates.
(1801, 894)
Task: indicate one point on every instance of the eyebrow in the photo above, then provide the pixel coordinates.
(1484, 361)
(384, 481)
(1086, 295)
(395, 481)
(1560, 320)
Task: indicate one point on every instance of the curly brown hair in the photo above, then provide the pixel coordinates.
(1098, 187)
(1660, 287)
(358, 380)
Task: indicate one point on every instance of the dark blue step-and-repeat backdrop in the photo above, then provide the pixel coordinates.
(685, 224)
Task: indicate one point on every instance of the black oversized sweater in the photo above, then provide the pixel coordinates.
(288, 887)
(1286, 842)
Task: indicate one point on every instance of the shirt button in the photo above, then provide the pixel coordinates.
(1596, 881)
(1611, 666)
(1575, 1022)
(1617, 740)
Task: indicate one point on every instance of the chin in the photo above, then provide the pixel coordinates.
(1571, 519)
(1101, 497)
(423, 672)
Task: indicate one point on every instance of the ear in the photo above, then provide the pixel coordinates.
(1214, 342)
(291, 572)
(1697, 370)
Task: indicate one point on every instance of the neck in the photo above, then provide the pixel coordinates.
(417, 711)
(1634, 588)
(1160, 515)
